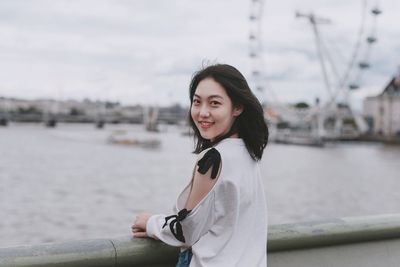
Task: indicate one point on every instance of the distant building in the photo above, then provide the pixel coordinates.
(383, 111)
(22, 110)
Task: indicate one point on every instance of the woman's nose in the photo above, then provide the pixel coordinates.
(204, 112)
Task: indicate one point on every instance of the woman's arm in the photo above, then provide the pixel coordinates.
(169, 228)
(201, 186)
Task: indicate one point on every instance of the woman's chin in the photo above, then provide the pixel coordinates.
(207, 136)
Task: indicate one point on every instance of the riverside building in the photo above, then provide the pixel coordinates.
(383, 111)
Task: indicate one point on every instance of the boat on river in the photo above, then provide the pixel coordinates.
(124, 138)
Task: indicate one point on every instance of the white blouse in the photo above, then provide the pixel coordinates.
(228, 227)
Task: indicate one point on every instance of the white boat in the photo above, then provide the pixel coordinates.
(123, 138)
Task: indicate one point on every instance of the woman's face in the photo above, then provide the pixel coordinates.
(212, 110)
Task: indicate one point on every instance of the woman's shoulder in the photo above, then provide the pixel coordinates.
(233, 150)
(224, 146)
(227, 151)
(229, 157)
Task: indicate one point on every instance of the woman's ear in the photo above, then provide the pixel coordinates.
(237, 110)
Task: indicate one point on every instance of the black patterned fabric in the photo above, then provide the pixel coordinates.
(175, 225)
(211, 158)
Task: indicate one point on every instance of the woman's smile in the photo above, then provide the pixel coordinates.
(205, 124)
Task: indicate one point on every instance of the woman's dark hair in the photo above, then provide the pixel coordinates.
(250, 125)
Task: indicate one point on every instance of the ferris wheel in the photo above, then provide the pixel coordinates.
(338, 82)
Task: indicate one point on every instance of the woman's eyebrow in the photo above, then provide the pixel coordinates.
(209, 97)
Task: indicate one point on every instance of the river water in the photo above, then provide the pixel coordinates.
(69, 183)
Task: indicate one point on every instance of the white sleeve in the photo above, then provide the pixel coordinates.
(183, 228)
(155, 229)
(195, 225)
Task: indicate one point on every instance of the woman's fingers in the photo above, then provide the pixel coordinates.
(140, 234)
(141, 220)
(138, 228)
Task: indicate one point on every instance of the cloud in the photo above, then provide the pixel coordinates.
(146, 51)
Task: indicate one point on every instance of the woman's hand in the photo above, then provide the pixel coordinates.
(139, 226)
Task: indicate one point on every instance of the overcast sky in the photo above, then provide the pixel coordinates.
(145, 51)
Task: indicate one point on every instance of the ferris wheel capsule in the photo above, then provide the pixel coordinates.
(376, 11)
(353, 86)
(252, 17)
(252, 36)
(253, 54)
(363, 65)
(255, 72)
(371, 39)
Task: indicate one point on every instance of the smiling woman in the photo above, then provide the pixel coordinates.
(220, 217)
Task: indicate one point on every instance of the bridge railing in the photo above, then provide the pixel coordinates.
(288, 245)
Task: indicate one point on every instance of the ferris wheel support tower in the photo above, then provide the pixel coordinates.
(314, 21)
(256, 48)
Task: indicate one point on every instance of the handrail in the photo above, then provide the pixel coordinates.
(128, 251)
(123, 251)
(333, 232)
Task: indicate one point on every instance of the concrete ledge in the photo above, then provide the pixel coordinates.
(284, 241)
(333, 232)
(124, 251)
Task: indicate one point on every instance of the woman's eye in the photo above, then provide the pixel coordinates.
(214, 103)
(196, 102)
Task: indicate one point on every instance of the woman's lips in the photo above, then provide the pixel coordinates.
(205, 124)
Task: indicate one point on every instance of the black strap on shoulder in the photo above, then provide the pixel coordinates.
(175, 225)
(210, 158)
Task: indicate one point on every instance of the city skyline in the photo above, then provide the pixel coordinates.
(145, 53)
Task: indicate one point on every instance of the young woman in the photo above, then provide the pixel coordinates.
(220, 217)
